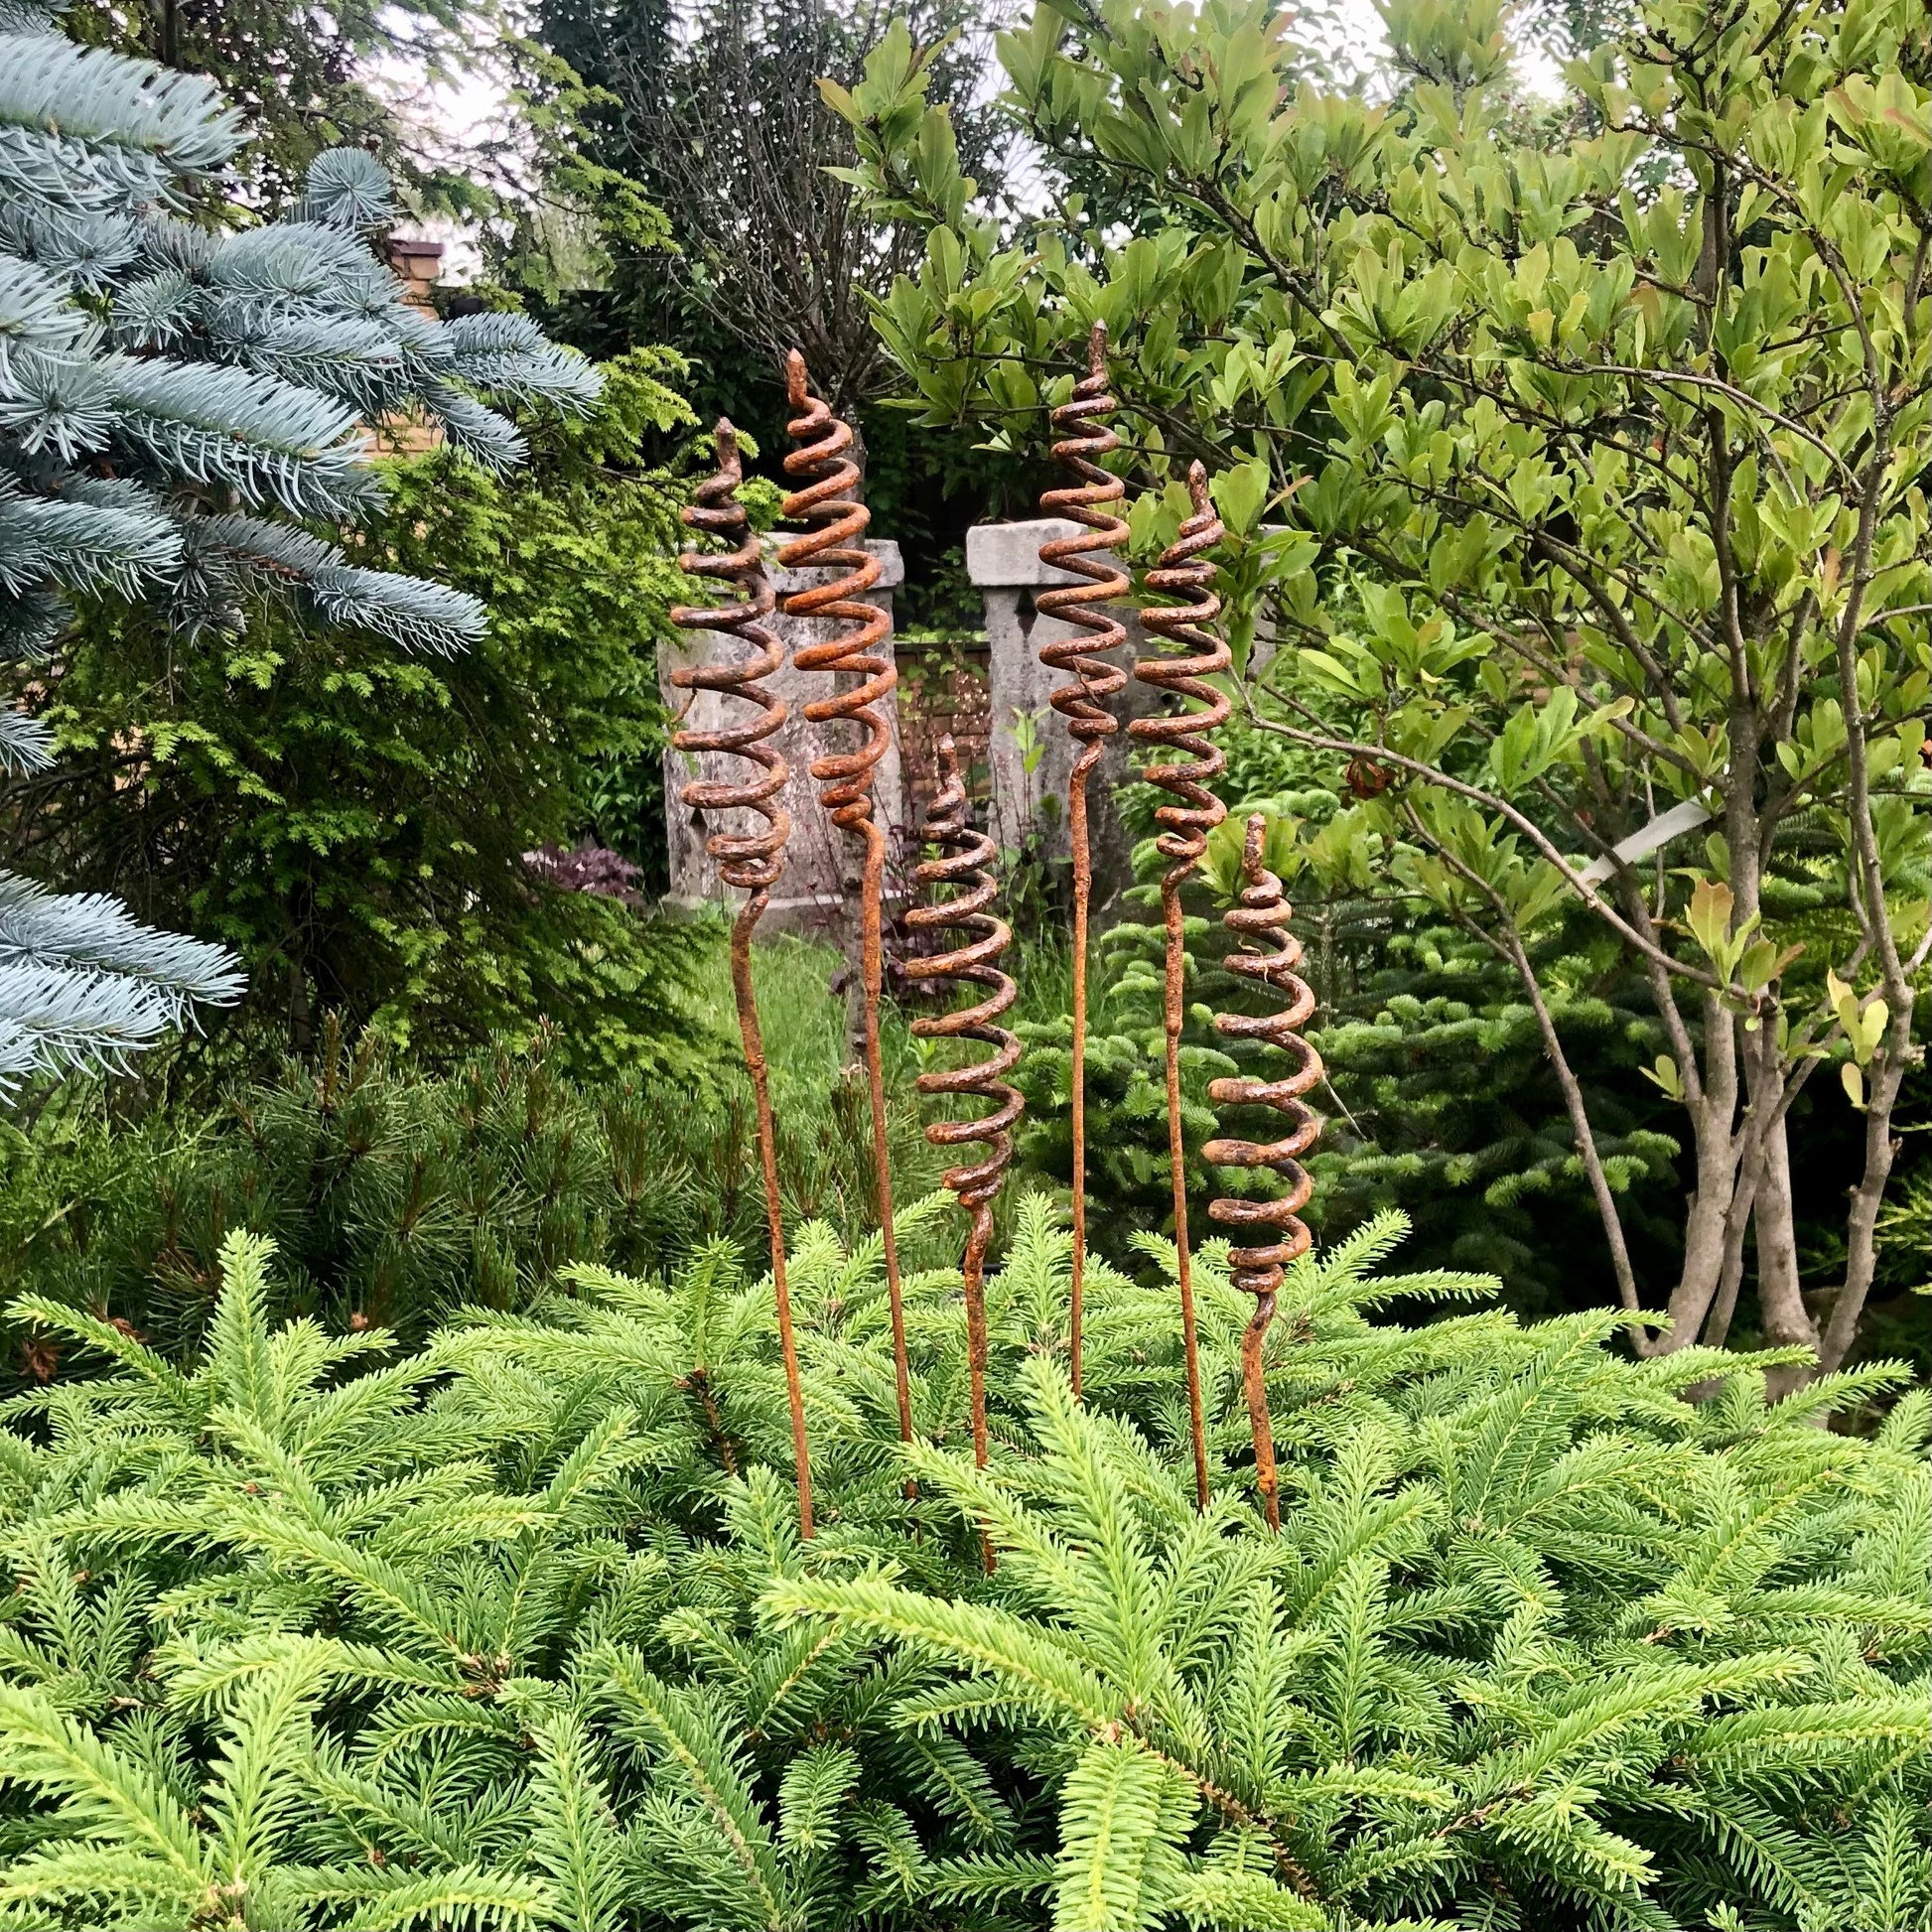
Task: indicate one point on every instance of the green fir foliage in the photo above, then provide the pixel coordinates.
(395, 1196)
(516, 1630)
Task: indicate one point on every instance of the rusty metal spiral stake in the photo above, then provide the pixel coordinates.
(830, 500)
(1184, 571)
(751, 860)
(1088, 721)
(1264, 915)
(965, 865)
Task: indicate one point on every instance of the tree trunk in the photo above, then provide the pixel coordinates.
(1579, 1127)
(1738, 1221)
(1781, 1303)
(1706, 1215)
(1861, 1221)
(1718, 1148)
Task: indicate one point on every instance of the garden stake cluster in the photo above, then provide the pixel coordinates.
(830, 500)
(1184, 571)
(1263, 915)
(1082, 703)
(753, 862)
(1186, 763)
(965, 865)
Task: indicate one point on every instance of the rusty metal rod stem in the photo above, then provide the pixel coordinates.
(831, 501)
(754, 1038)
(1263, 915)
(1088, 721)
(751, 862)
(1176, 968)
(1184, 572)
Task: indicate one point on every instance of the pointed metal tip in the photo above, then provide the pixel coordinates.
(798, 385)
(1097, 349)
(1198, 488)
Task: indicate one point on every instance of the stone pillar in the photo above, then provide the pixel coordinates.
(1003, 560)
(819, 857)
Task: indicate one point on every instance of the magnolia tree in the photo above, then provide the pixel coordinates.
(1578, 473)
(181, 413)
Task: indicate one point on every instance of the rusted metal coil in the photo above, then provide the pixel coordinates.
(830, 501)
(1264, 915)
(1184, 571)
(966, 865)
(1082, 703)
(753, 862)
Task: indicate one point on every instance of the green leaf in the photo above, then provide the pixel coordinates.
(1709, 917)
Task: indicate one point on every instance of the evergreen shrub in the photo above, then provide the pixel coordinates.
(397, 1194)
(1439, 1097)
(183, 402)
(515, 1629)
(353, 820)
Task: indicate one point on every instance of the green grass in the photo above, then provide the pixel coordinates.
(818, 1092)
(801, 1016)
(818, 1089)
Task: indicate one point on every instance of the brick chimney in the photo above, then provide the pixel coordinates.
(418, 264)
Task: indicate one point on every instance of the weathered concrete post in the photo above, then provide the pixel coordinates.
(812, 892)
(1003, 561)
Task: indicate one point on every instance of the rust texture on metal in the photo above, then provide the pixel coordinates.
(829, 499)
(1261, 919)
(752, 861)
(965, 867)
(1082, 702)
(1188, 763)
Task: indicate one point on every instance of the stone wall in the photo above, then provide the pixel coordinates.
(944, 691)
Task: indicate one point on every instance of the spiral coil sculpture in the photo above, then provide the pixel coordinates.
(1194, 762)
(1264, 915)
(1082, 703)
(752, 861)
(965, 865)
(830, 501)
